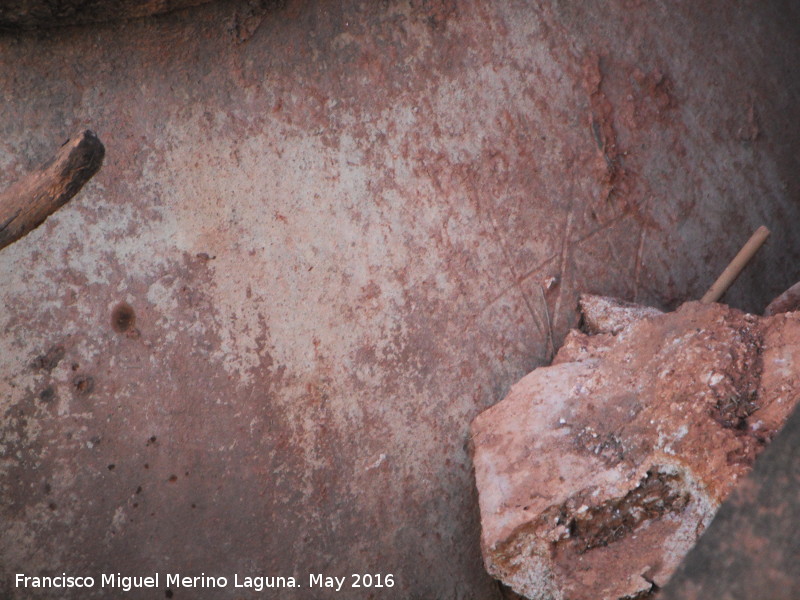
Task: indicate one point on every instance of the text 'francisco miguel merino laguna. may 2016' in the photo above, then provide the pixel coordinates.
(257, 583)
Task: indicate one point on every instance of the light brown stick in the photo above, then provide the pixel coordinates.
(27, 203)
(734, 268)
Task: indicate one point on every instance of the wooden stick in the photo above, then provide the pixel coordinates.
(549, 324)
(735, 267)
(32, 14)
(26, 204)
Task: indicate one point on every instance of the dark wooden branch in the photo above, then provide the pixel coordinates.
(32, 14)
(788, 301)
(26, 204)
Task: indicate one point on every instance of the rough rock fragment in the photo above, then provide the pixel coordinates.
(597, 474)
(788, 301)
(602, 314)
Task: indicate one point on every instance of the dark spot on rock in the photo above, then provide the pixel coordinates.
(742, 455)
(172, 478)
(151, 441)
(95, 439)
(146, 466)
(135, 505)
(194, 505)
(52, 506)
(186, 473)
(83, 384)
(47, 488)
(139, 490)
(657, 494)
(168, 593)
(50, 359)
(733, 411)
(75, 366)
(111, 467)
(47, 394)
(123, 318)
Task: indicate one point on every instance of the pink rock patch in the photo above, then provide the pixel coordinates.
(597, 474)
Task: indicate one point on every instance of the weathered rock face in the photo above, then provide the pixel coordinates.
(316, 250)
(597, 474)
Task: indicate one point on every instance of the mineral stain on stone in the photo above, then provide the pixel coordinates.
(50, 359)
(657, 494)
(83, 384)
(123, 318)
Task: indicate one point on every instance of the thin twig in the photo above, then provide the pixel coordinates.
(735, 267)
(549, 324)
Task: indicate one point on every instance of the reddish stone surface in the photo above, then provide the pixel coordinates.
(596, 475)
(332, 223)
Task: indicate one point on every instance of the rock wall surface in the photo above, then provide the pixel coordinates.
(326, 236)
